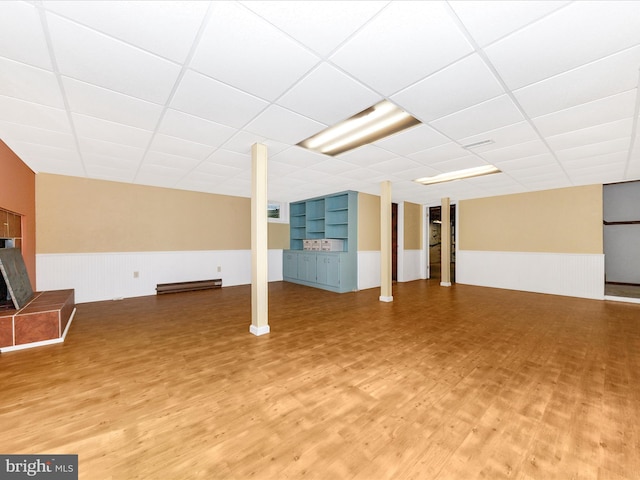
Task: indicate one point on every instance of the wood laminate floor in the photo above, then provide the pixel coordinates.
(443, 383)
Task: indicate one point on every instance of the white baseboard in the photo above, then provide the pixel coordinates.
(386, 299)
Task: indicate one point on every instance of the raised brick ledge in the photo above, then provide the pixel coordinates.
(44, 320)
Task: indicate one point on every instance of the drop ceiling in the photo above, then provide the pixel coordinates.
(173, 94)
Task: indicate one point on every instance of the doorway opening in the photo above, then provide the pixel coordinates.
(435, 242)
(621, 239)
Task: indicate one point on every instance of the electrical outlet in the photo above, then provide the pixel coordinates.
(136, 274)
(219, 268)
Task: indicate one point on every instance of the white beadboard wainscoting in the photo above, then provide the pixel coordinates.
(412, 261)
(409, 267)
(368, 269)
(574, 275)
(108, 276)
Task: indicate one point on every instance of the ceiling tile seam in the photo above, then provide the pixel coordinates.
(43, 4)
(634, 129)
(183, 69)
(509, 93)
(564, 72)
(523, 27)
(309, 49)
(56, 71)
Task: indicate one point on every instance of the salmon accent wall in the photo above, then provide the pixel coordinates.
(564, 220)
(80, 215)
(18, 195)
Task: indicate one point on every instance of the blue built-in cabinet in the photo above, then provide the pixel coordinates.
(328, 218)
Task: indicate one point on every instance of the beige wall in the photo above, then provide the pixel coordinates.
(368, 222)
(79, 215)
(412, 226)
(566, 220)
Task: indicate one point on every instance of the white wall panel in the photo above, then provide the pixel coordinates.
(412, 262)
(576, 275)
(368, 269)
(106, 276)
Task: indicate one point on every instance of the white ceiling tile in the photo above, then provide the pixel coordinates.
(595, 134)
(265, 63)
(513, 152)
(87, 55)
(559, 43)
(614, 160)
(502, 137)
(166, 28)
(125, 153)
(487, 21)
(396, 165)
(29, 83)
(321, 26)
(412, 173)
(111, 106)
(470, 161)
(333, 166)
(366, 155)
(159, 176)
(176, 162)
(217, 169)
(207, 98)
(21, 34)
(594, 149)
(449, 90)
(300, 157)
(195, 129)
(110, 173)
(283, 125)
(490, 115)
(179, 147)
(312, 98)
(608, 76)
(393, 50)
(32, 114)
(231, 159)
(49, 159)
(92, 127)
(412, 140)
(605, 110)
(440, 153)
(25, 133)
(276, 171)
(535, 161)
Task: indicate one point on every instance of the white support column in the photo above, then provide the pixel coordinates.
(445, 243)
(386, 292)
(259, 247)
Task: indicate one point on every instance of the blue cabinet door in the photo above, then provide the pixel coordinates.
(307, 267)
(290, 266)
(328, 269)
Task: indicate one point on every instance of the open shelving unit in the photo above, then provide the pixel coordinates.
(332, 217)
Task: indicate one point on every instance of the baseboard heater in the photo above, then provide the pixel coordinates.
(188, 286)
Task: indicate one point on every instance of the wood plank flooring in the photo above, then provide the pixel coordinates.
(442, 383)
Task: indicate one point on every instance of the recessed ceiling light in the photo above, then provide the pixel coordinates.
(459, 175)
(374, 123)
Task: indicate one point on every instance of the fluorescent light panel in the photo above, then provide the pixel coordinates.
(370, 125)
(459, 175)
